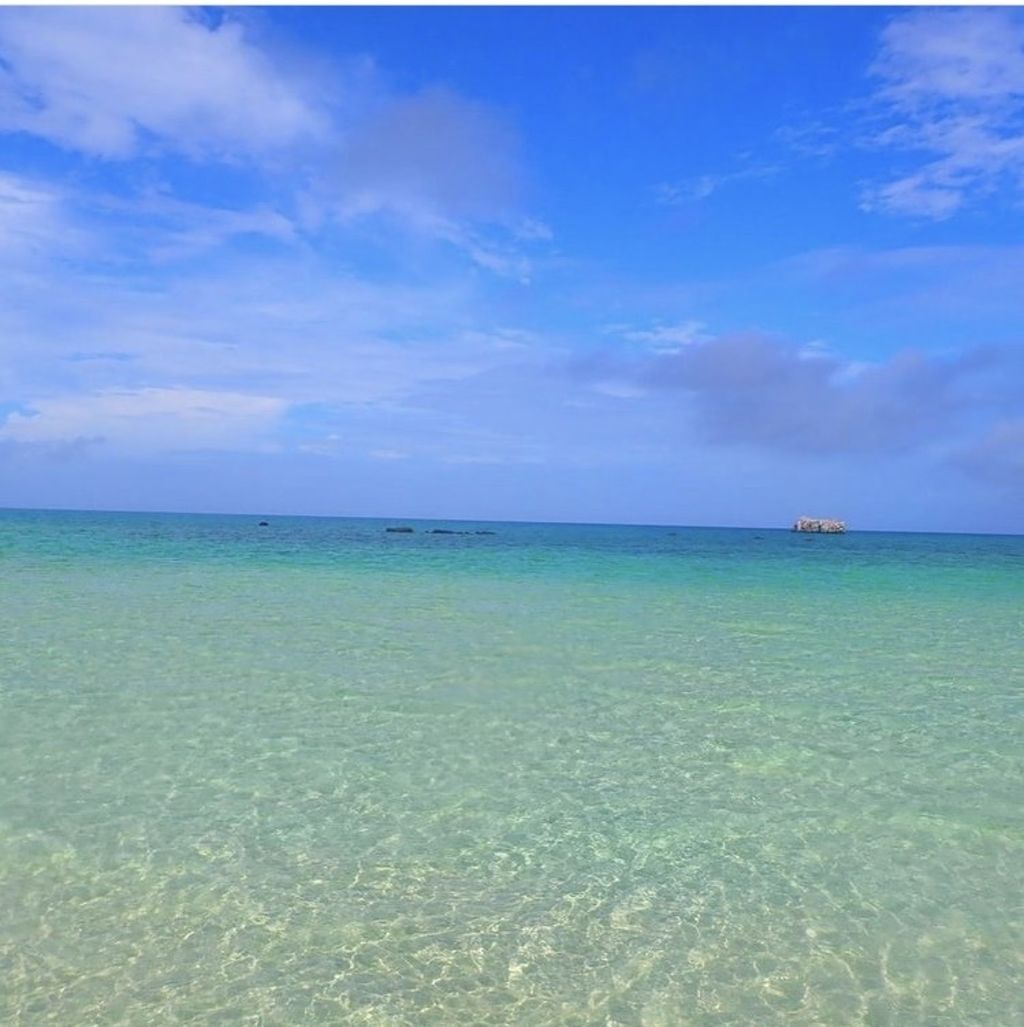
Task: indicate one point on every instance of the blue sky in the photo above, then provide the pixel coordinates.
(691, 266)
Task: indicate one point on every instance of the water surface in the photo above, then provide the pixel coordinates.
(319, 773)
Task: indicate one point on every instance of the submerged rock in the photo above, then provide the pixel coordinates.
(823, 525)
(401, 531)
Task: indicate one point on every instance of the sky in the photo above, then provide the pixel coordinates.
(658, 265)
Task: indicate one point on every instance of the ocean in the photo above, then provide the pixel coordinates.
(315, 772)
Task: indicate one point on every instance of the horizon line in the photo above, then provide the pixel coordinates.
(490, 520)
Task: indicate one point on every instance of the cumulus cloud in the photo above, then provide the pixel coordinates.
(951, 88)
(998, 456)
(115, 81)
(757, 390)
(443, 166)
(433, 151)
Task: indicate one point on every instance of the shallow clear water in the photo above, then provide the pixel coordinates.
(318, 773)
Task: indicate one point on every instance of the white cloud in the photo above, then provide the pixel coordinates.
(951, 55)
(131, 343)
(951, 87)
(113, 81)
(149, 419)
(130, 83)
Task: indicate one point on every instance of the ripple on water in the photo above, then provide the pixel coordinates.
(562, 785)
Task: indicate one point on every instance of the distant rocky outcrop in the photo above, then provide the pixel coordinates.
(825, 525)
(405, 530)
(452, 531)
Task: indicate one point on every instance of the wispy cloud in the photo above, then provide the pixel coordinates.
(943, 294)
(950, 88)
(163, 227)
(814, 137)
(693, 190)
(57, 452)
(946, 109)
(165, 357)
(34, 220)
(148, 420)
(316, 334)
(662, 337)
(44, 220)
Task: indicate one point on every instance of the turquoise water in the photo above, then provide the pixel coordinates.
(318, 773)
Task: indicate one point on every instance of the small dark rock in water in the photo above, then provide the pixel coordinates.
(401, 531)
(264, 524)
(485, 533)
(443, 531)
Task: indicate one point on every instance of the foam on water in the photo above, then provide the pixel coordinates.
(558, 775)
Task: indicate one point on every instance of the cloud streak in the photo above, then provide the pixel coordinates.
(673, 194)
(168, 358)
(148, 420)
